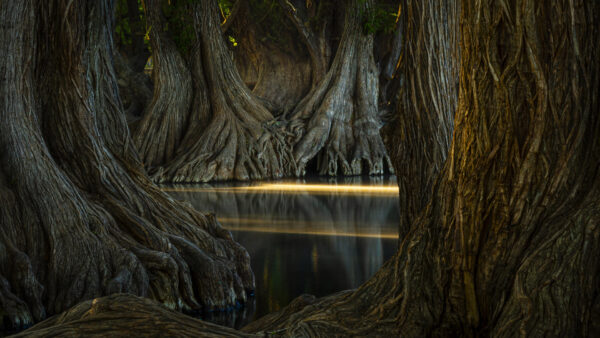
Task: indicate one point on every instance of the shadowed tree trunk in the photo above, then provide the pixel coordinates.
(224, 132)
(419, 134)
(79, 218)
(301, 13)
(131, 55)
(158, 134)
(338, 121)
(269, 57)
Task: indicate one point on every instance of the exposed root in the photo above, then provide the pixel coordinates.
(229, 151)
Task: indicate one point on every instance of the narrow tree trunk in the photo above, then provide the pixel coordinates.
(79, 218)
(338, 120)
(130, 56)
(242, 140)
(420, 132)
(160, 131)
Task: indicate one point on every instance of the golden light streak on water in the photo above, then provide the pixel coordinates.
(307, 228)
(291, 188)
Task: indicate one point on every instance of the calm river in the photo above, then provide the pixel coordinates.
(315, 236)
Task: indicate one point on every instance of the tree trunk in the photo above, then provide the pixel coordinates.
(270, 59)
(126, 315)
(418, 137)
(160, 131)
(507, 244)
(316, 42)
(338, 121)
(229, 133)
(79, 217)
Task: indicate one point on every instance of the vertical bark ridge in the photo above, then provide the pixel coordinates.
(161, 129)
(421, 129)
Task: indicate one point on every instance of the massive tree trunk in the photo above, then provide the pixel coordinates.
(418, 137)
(221, 131)
(338, 121)
(79, 218)
(507, 244)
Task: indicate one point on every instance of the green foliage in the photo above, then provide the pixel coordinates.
(226, 6)
(179, 23)
(380, 18)
(122, 25)
(126, 29)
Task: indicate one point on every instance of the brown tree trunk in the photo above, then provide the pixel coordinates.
(338, 121)
(228, 133)
(301, 13)
(507, 244)
(270, 59)
(158, 134)
(418, 137)
(79, 218)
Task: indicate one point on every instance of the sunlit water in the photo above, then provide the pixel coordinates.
(315, 236)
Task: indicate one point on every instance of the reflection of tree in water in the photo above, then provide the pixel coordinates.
(287, 257)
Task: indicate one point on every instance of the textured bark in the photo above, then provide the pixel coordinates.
(418, 137)
(235, 137)
(338, 121)
(160, 131)
(79, 218)
(126, 316)
(507, 245)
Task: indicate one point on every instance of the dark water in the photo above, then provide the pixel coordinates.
(304, 236)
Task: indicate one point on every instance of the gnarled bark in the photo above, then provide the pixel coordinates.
(79, 218)
(229, 133)
(419, 134)
(338, 121)
(158, 134)
(124, 315)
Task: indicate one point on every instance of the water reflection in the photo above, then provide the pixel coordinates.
(306, 236)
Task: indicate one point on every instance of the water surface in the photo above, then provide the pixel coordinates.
(315, 236)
